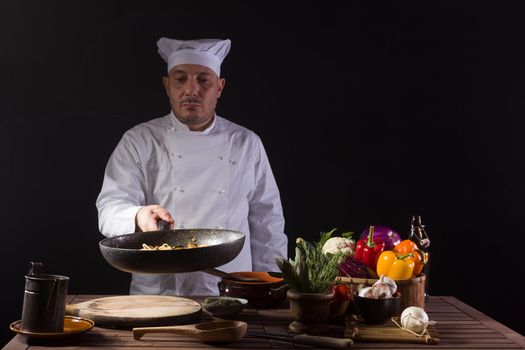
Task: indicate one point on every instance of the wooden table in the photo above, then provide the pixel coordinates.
(459, 325)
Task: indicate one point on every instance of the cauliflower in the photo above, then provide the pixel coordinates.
(339, 244)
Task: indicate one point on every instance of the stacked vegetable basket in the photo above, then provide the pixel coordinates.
(380, 251)
(412, 290)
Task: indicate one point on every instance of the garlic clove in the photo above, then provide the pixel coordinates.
(365, 292)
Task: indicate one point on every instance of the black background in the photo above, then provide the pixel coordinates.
(370, 112)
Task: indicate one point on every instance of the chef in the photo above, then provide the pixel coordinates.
(193, 169)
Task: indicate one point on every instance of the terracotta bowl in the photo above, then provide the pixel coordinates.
(268, 291)
(377, 310)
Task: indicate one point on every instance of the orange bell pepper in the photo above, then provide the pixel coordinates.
(420, 258)
(395, 266)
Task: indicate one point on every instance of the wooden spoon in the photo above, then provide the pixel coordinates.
(207, 332)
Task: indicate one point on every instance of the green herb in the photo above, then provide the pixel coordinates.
(311, 271)
(347, 235)
(222, 301)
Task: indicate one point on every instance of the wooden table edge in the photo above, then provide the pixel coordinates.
(510, 334)
(486, 320)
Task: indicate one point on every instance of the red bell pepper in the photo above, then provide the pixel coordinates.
(368, 250)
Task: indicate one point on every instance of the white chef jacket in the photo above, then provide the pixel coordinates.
(216, 178)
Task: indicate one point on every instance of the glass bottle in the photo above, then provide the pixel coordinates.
(418, 233)
(420, 237)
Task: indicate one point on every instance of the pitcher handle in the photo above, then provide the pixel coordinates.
(34, 268)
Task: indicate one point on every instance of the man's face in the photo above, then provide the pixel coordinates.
(193, 91)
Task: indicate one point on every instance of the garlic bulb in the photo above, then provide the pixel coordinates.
(381, 289)
(415, 319)
(391, 284)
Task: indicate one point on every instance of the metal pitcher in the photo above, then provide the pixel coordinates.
(44, 305)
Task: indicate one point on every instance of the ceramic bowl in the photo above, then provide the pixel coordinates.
(222, 306)
(377, 310)
(268, 291)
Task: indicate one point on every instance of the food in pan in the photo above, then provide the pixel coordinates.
(191, 244)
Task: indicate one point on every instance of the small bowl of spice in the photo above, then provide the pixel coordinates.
(222, 306)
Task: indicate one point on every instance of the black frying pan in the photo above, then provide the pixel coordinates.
(123, 252)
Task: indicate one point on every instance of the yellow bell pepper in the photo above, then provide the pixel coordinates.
(395, 266)
(420, 257)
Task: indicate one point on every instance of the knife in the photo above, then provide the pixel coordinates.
(313, 340)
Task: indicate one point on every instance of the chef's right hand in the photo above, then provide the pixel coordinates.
(147, 218)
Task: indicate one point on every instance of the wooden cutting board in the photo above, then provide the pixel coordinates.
(137, 311)
(388, 332)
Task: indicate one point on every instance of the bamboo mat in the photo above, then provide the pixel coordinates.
(388, 332)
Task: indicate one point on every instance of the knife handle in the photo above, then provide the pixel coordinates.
(327, 342)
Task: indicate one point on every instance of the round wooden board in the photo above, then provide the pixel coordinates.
(137, 311)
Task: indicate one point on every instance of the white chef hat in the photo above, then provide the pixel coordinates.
(205, 52)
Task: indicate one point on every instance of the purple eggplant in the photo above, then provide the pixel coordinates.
(385, 234)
